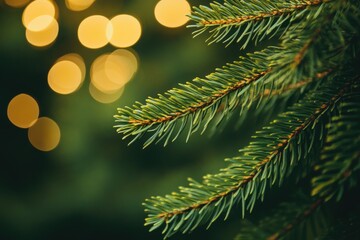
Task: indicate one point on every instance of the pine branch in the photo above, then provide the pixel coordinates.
(298, 220)
(317, 44)
(195, 103)
(340, 161)
(242, 21)
(289, 220)
(198, 102)
(263, 163)
(295, 86)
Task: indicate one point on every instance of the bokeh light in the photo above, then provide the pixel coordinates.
(64, 77)
(100, 77)
(23, 111)
(45, 37)
(38, 15)
(120, 66)
(78, 60)
(76, 5)
(44, 134)
(126, 30)
(172, 13)
(103, 97)
(17, 3)
(93, 31)
(110, 72)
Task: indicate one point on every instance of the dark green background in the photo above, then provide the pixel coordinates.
(92, 185)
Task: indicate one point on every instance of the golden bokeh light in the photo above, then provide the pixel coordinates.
(78, 60)
(126, 30)
(44, 135)
(172, 13)
(94, 31)
(45, 37)
(105, 97)
(76, 5)
(100, 76)
(64, 77)
(17, 3)
(38, 15)
(23, 111)
(110, 72)
(120, 66)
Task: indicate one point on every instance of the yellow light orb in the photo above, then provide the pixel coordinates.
(76, 5)
(45, 37)
(101, 74)
(93, 31)
(172, 13)
(78, 60)
(126, 30)
(64, 77)
(44, 134)
(23, 111)
(16, 3)
(38, 15)
(104, 97)
(120, 66)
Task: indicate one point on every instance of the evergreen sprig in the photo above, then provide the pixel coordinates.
(289, 220)
(265, 162)
(242, 82)
(339, 167)
(195, 102)
(243, 21)
(312, 68)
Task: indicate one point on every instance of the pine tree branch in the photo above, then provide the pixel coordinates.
(258, 18)
(340, 161)
(290, 220)
(246, 178)
(261, 15)
(300, 218)
(297, 85)
(317, 44)
(195, 103)
(207, 102)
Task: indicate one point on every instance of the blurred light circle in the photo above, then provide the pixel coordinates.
(172, 13)
(40, 23)
(93, 31)
(76, 5)
(44, 135)
(64, 77)
(23, 111)
(38, 15)
(16, 3)
(104, 97)
(45, 37)
(100, 74)
(120, 66)
(126, 30)
(78, 60)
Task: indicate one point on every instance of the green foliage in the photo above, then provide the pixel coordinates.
(297, 219)
(311, 71)
(243, 21)
(339, 166)
(293, 137)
